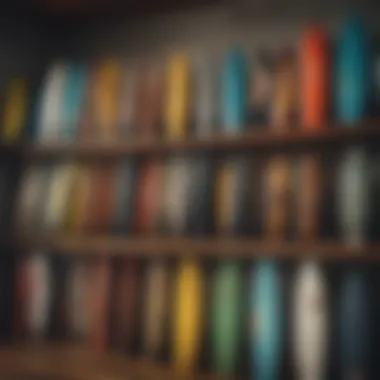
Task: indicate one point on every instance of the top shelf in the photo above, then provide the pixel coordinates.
(260, 138)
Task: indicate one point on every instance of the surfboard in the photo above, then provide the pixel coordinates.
(106, 95)
(127, 105)
(100, 303)
(267, 321)
(149, 196)
(234, 92)
(177, 99)
(156, 304)
(226, 316)
(277, 188)
(58, 197)
(150, 107)
(285, 95)
(310, 322)
(176, 192)
(188, 316)
(355, 327)
(261, 89)
(127, 300)
(73, 101)
(315, 77)
(353, 72)
(207, 97)
(309, 196)
(78, 305)
(352, 196)
(200, 197)
(38, 300)
(51, 103)
(15, 112)
(126, 194)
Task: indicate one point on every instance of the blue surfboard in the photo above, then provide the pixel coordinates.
(125, 197)
(267, 319)
(234, 92)
(354, 327)
(73, 100)
(353, 73)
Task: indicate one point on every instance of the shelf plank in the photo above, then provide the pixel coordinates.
(65, 361)
(260, 139)
(226, 247)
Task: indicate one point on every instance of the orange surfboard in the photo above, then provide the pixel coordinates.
(314, 78)
(150, 102)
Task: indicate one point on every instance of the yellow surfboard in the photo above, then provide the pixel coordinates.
(177, 104)
(106, 96)
(15, 110)
(188, 316)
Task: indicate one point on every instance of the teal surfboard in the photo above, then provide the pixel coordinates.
(73, 100)
(226, 316)
(234, 92)
(353, 72)
(267, 321)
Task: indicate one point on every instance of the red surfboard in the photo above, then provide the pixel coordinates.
(149, 196)
(314, 78)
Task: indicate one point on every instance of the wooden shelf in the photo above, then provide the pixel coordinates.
(331, 135)
(244, 248)
(69, 362)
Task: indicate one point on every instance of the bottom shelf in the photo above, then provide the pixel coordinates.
(73, 362)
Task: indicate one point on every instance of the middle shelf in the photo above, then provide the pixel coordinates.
(246, 248)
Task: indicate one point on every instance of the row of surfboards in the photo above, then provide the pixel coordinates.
(111, 99)
(177, 311)
(279, 197)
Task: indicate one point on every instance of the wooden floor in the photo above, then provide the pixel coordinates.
(72, 362)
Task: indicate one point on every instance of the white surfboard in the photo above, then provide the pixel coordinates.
(58, 196)
(207, 99)
(310, 323)
(38, 301)
(52, 102)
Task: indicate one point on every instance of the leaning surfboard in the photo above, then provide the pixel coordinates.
(226, 316)
(310, 322)
(353, 72)
(353, 196)
(267, 321)
(188, 316)
(234, 92)
(314, 78)
(354, 327)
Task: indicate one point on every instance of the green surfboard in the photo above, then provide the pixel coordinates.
(226, 316)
